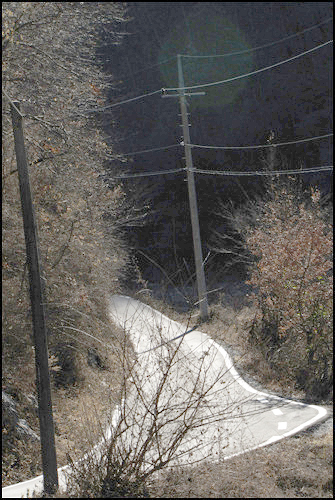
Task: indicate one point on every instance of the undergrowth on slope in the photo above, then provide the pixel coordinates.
(284, 242)
(50, 67)
(166, 407)
(298, 467)
(293, 284)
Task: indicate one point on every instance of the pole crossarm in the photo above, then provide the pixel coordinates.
(178, 94)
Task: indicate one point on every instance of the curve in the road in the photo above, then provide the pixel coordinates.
(269, 418)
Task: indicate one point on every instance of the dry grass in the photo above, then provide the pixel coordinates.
(231, 315)
(300, 466)
(80, 414)
(229, 326)
(81, 255)
(293, 468)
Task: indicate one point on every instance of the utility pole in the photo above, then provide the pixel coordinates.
(37, 298)
(200, 273)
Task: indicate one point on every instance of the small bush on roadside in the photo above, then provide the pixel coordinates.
(293, 285)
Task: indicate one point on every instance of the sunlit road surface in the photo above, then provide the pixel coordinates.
(232, 418)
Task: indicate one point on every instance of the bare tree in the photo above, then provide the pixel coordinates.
(177, 406)
(50, 65)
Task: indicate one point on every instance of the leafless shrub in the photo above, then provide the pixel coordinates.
(50, 66)
(173, 409)
(284, 240)
(294, 284)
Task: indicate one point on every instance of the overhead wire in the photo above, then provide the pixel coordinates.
(202, 146)
(220, 82)
(150, 150)
(228, 172)
(260, 146)
(213, 172)
(149, 67)
(270, 44)
(227, 80)
(241, 76)
(166, 172)
(264, 172)
(123, 102)
(148, 174)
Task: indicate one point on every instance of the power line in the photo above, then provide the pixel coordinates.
(261, 145)
(212, 172)
(123, 102)
(228, 172)
(149, 150)
(151, 66)
(201, 146)
(149, 174)
(260, 46)
(208, 84)
(209, 172)
(251, 73)
(231, 53)
(263, 172)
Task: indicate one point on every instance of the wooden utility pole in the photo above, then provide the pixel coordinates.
(37, 298)
(201, 281)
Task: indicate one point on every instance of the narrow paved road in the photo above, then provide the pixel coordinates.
(230, 419)
(236, 417)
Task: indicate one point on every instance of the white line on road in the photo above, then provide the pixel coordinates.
(15, 491)
(277, 411)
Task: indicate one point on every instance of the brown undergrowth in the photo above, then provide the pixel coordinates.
(299, 466)
(294, 468)
(80, 410)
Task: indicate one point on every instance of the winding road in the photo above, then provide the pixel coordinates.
(238, 417)
(200, 386)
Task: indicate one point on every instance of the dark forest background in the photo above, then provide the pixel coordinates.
(293, 101)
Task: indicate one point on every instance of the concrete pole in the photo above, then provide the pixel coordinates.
(200, 273)
(37, 298)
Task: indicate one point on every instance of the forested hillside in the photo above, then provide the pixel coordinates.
(50, 67)
(107, 171)
(287, 103)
